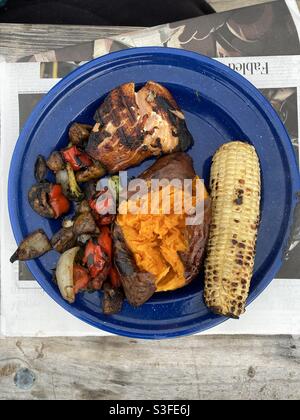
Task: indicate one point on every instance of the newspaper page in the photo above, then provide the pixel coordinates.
(268, 29)
(261, 43)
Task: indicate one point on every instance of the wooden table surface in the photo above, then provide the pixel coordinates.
(203, 367)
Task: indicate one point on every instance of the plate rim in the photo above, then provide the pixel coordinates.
(233, 76)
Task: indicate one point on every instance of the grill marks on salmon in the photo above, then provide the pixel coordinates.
(132, 126)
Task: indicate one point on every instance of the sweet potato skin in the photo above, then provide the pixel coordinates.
(177, 165)
(197, 237)
(138, 286)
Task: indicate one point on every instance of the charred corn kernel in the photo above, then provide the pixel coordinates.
(235, 193)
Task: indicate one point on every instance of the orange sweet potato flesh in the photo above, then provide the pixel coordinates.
(162, 246)
(155, 241)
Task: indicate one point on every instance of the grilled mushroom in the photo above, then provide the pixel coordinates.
(83, 239)
(33, 246)
(94, 171)
(55, 162)
(82, 207)
(40, 169)
(48, 200)
(79, 133)
(89, 188)
(67, 222)
(38, 199)
(85, 223)
(112, 300)
(63, 240)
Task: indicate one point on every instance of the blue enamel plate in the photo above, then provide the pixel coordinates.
(219, 106)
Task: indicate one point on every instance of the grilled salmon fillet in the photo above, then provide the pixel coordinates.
(132, 126)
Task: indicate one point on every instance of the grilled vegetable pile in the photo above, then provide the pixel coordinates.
(84, 240)
(136, 255)
(235, 194)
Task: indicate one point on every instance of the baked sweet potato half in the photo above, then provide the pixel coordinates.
(161, 252)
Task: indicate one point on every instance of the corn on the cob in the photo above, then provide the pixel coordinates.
(235, 193)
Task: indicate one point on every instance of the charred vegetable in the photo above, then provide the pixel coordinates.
(75, 191)
(76, 158)
(67, 222)
(115, 278)
(94, 257)
(105, 239)
(114, 185)
(55, 162)
(94, 171)
(83, 239)
(59, 203)
(40, 169)
(33, 246)
(38, 199)
(62, 179)
(79, 133)
(89, 189)
(236, 192)
(112, 300)
(81, 278)
(85, 223)
(103, 206)
(64, 274)
(74, 230)
(63, 240)
(97, 262)
(48, 200)
(66, 178)
(83, 207)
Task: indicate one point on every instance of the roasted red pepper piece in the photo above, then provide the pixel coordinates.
(81, 278)
(77, 158)
(103, 206)
(102, 202)
(98, 281)
(59, 203)
(114, 276)
(105, 240)
(94, 257)
(105, 220)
